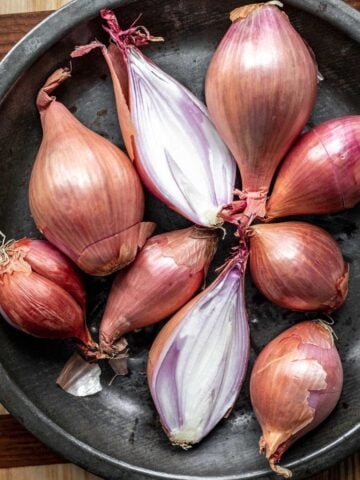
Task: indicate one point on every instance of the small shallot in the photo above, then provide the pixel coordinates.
(167, 130)
(85, 195)
(321, 174)
(260, 91)
(295, 384)
(41, 293)
(298, 266)
(198, 361)
(164, 276)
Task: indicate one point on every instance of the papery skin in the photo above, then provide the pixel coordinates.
(50, 263)
(298, 266)
(80, 378)
(198, 361)
(321, 174)
(85, 195)
(168, 133)
(164, 276)
(295, 383)
(43, 302)
(260, 90)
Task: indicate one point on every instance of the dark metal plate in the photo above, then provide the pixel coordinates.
(117, 433)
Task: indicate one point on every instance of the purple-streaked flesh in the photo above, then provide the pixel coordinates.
(188, 166)
(198, 361)
(168, 133)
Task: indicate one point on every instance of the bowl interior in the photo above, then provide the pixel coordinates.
(120, 423)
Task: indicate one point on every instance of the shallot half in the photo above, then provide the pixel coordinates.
(167, 130)
(85, 195)
(164, 276)
(260, 90)
(295, 383)
(198, 361)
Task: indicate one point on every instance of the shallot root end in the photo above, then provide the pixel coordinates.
(282, 471)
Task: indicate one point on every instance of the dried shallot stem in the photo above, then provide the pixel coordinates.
(136, 35)
(12, 257)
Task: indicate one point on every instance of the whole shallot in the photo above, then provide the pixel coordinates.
(260, 90)
(164, 276)
(295, 384)
(85, 195)
(298, 266)
(321, 173)
(41, 293)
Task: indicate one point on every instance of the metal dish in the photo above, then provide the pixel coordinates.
(116, 433)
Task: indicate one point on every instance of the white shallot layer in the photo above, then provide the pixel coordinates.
(199, 372)
(179, 154)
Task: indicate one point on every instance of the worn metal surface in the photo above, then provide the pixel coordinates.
(117, 433)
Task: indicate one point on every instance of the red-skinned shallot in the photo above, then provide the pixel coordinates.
(321, 174)
(295, 384)
(85, 195)
(298, 266)
(164, 276)
(260, 90)
(41, 293)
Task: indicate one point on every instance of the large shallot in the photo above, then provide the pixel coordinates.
(85, 195)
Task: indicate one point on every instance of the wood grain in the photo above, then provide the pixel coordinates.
(14, 27)
(53, 472)
(354, 3)
(21, 6)
(17, 446)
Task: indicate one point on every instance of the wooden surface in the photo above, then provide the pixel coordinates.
(19, 6)
(18, 448)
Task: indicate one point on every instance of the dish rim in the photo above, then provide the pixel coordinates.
(42, 37)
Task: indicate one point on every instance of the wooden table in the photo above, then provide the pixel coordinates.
(22, 456)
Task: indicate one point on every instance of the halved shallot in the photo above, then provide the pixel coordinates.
(167, 130)
(198, 361)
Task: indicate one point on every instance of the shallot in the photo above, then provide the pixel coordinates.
(198, 361)
(298, 266)
(260, 90)
(295, 384)
(164, 276)
(321, 174)
(41, 293)
(85, 195)
(167, 130)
